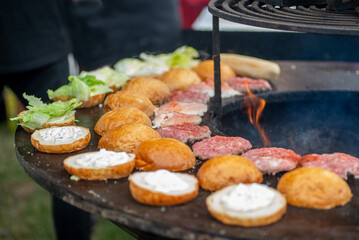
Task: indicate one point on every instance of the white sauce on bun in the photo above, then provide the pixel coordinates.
(103, 159)
(248, 197)
(165, 181)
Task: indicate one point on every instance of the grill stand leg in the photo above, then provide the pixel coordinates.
(216, 101)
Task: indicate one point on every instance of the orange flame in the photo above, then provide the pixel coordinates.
(254, 108)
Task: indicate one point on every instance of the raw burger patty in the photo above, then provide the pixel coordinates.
(219, 145)
(180, 107)
(340, 163)
(259, 85)
(173, 119)
(185, 133)
(273, 160)
(189, 96)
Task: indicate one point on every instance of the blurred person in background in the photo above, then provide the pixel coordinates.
(120, 29)
(36, 38)
(34, 46)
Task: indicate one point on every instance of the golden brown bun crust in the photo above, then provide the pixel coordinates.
(114, 88)
(222, 171)
(128, 99)
(154, 89)
(159, 199)
(63, 148)
(118, 117)
(180, 78)
(93, 100)
(127, 137)
(246, 222)
(46, 125)
(313, 187)
(205, 70)
(164, 153)
(113, 172)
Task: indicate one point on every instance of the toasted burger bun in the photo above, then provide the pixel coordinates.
(250, 218)
(69, 142)
(103, 172)
(164, 153)
(118, 117)
(93, 100)
(154, 89)
(144, 193)
(313, 187)
(53, 122)
(222, 171)
(127, 137)
(128, 99)
(205, 70)
(180, 78)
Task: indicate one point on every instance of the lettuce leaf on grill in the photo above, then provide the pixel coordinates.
(81, 88)
(40, 113)
(183, 57)
(109, 76)
(149, 64)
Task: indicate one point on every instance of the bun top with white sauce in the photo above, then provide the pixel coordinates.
(60, 135)
(164, 181)
(100, 159)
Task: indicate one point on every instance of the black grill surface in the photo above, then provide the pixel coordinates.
(334, 127)
(306, 121)
(303, 18)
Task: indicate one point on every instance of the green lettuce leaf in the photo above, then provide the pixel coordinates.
(99, 89)
(109, 76)
(150, 64)
(183, 57)
(160, 59)
(34, 101)
(128, 66)
(39, 113)
(81, 88)
(34, 120)
(61, 91)
(89, 80)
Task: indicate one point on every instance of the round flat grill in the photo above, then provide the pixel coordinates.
(301, 18)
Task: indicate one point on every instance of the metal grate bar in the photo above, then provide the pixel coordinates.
(258, 11)
(311, 19)
(289, 14)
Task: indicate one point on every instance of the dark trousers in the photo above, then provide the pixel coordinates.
(70, 222)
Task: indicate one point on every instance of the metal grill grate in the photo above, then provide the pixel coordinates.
(311, 19)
